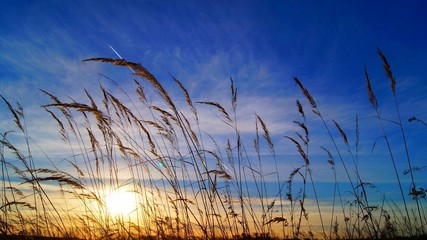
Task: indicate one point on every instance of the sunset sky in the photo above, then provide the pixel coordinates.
(262, 45)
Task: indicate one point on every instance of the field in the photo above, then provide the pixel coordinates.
(138, 169)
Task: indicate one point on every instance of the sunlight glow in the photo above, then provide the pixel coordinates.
(120, 202)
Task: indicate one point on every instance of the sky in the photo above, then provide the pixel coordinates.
(261, 45)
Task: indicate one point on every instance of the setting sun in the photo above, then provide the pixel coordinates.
(120, 202)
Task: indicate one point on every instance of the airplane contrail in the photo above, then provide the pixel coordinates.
(115, 52)
(119, 56)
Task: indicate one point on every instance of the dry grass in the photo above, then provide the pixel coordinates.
(187, 184)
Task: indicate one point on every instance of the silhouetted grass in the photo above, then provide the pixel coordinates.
(187, 183)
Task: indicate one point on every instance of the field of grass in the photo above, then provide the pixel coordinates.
(183, 183)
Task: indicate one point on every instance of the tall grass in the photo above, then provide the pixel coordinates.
(188, 183)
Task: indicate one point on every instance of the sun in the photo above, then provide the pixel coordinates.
(120, 202)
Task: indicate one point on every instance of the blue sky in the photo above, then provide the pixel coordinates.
(262, 45)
